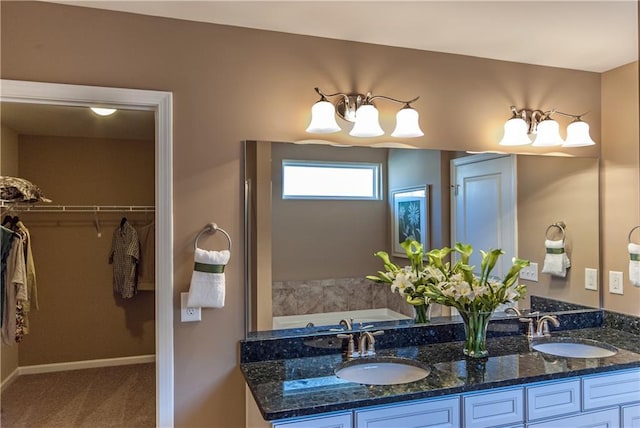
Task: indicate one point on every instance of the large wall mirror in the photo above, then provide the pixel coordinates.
(311, 256)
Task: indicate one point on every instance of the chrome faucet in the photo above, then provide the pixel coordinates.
(513, 309)
(543, 326)
(351, 348)
(367, 343)
(348, 323)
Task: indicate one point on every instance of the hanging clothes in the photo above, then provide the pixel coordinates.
(27, 299)
(32, 289)
(16, 282)
(147, 264)
(6, 241)
(124, 256)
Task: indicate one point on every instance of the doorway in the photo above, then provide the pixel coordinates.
(161, 104)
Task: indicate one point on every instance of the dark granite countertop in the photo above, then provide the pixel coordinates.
(293, 387)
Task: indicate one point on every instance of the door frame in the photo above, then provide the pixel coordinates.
(161, 103)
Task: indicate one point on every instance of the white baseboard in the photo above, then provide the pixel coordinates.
(87, 364)
(9, 380)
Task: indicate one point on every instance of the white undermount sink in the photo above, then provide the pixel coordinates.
(382, 371)
(574, 348)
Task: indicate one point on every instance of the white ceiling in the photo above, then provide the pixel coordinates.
(582, 35)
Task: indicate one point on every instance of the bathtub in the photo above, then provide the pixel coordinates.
(333, 318)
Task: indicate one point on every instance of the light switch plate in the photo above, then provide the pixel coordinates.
(530, 273)
(188, 314)
(591, 279)
(615, 282)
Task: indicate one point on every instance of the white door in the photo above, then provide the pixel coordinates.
(483, 206)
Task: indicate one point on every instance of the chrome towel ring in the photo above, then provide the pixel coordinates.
(211, 228)
(631, 233)
(560, 225)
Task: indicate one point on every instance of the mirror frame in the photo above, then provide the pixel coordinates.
(161, 103)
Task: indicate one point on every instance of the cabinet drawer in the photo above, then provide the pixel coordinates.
(553, 399)
(609, 418)
(610, 390)
(631, 416)
(494, 408)
(342, 420)
(439, 413)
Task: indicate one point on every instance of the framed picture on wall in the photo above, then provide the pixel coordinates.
(409, 217)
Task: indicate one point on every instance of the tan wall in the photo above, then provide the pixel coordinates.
(553, 189)
(80, 318)
(9, 152)
(309, 239)
(620, 182)
(232, 84)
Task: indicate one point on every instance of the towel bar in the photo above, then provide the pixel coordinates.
(211, 228)
(560, 225)
(631, 233)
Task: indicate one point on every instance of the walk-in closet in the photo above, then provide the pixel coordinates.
(87, 354)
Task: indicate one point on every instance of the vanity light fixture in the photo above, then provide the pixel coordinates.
(360, 109)
(101, 111)
(536, 127)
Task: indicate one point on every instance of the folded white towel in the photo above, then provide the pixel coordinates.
(556, 260)
(207, 281)
(634, 264)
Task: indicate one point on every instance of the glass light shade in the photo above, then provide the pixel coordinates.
(548, 134)
(323, 118)
(515, 132)
(367, 124)
(407, 125)
(103, 111)
(578, 135)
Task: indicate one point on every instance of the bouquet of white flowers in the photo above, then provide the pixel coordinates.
(455, 285)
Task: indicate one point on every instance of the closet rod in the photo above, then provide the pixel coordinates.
(79, 208)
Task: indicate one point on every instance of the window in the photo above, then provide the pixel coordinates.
(330, 180)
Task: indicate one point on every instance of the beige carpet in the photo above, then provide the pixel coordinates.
(122, 396)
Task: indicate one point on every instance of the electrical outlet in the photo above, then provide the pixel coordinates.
(530, 273)
(591, 279)
(615, 282)
(188, 314)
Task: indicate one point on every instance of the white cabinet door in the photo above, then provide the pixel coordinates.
(631, 416)
(609, 418)
(494, 408)
(440, 413)
(553, 399)
(610, 389)
(334, 421)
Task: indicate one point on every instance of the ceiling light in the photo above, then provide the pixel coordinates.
(537, 128)
(103, 111)
(360, 109)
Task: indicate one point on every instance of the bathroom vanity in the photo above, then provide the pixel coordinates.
(516, 386)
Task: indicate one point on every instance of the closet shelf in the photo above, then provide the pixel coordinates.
(77, 208)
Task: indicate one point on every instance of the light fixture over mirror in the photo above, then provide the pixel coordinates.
(360, 109)
(536, 127)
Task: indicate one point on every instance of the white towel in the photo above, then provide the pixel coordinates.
(556, 260)
(207, 280)
(634, 264)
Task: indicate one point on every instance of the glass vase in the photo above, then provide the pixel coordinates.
(475, 330)
(422, 314)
